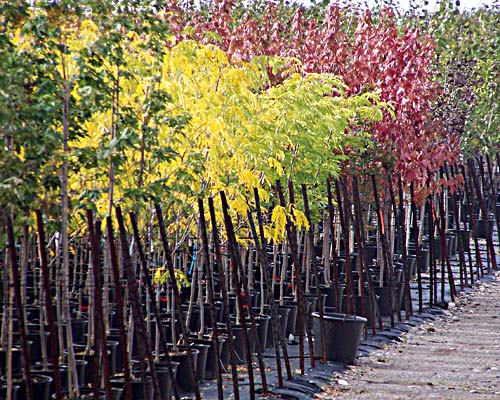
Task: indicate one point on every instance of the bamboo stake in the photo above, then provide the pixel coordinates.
(310, 239)
(100, 334)
(291, 232)
(484, 212)
(156, 312)
(272, 304)
(493, 193)
(210, 297)
(416, 235)
(359, 226)
(349, 309)
(242, 295)
(455, 171)
(120, 307)
(472, 219)
(402, 239)
(331, 215)
(48, 303)
(19, 305)
(171, 274)
(395, 217)
(461, 256)
(136, 316)
(225, 298)
(387, 259)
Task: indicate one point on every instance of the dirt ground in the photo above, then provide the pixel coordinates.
(456, 356)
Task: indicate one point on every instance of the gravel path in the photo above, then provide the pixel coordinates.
(457, 356)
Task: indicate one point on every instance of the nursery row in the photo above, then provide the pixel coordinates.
(217, 191)
(137, 317)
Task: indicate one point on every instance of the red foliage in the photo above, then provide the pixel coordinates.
(376, 57)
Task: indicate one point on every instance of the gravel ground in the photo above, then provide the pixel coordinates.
(456, 356)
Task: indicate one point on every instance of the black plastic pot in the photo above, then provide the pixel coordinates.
(292, 317)
(185, 380)
(283, 313)
(481, 228)
(79, 330)
(342, 332)
(262, 329)
(40, 385)
(164, 380)
(17, 363)
(239, 345)
(465, 239)
(137, 386)
(382, 294)
(424, 261)
(201, 362)
(3, 391)
(211, 366)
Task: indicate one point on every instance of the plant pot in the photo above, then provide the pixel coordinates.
(40, 386)
(17, 363)
(465, 239)
(382, 294)
(184, 378)
(3, 391)
(313, 299)
(424, 260)
(451, 244)
(164, 378)
(36, 347)
(370, 253)
(481, 228)
(412, 265)
(201, 362)
(292, 317)
(262, 329)
(211, 365)
(239, 345)
(283, 312)
(137, 387)
(79, 330)
(342, 334)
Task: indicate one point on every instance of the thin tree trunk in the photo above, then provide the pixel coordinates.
(225, 298)
(19, 305)
(119, 307)
(171, 274)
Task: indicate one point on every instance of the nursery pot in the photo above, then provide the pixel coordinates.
(201, 363)
(163, 376)
(40, 386)
(481, 228)
(137, 387)
(183, 377)
(342, 334)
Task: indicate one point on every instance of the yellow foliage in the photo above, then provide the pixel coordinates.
(240, 134)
